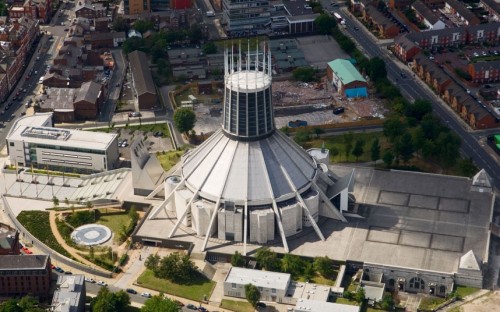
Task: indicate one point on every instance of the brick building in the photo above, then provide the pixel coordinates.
(40, 10)
(9, 240)
(25, 274)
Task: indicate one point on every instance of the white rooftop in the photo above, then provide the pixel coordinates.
(265, 279)
(254, 171)
(469, 261)
(248, 80)
(37, 129)
(304, 305)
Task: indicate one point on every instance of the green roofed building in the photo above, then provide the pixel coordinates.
(346, 78)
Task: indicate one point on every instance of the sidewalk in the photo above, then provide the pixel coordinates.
(466, 299)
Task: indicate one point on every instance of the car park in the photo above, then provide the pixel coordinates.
(146, 295)
(131, 291)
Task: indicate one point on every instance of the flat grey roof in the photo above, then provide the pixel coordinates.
(412, 220)
(304, 305)
(266, 279)
(19, 262)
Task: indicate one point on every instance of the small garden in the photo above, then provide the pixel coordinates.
(121, 223)
(169, 159)
(37, 223)
(177, 275)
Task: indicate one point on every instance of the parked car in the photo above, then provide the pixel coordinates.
(297, 123)
(90, 280)
(68, 273)
(58, 269)
(338, 110)
(202, 309)
(146, 295)
(158, 134)
(101, 283)
(261, 304)
(131, 291)
(52, 267)
(134, 114)
(191, 307)
(403, 75)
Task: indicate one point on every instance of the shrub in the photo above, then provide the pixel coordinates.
(80, 218)
(123, 260)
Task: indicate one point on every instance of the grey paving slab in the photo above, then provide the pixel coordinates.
(454, 204)
(393, 198)
(416, 239)
(421, 201)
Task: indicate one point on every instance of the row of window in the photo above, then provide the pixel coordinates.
(234, 286)
(23, 272)
(67, 162)
(66, 155)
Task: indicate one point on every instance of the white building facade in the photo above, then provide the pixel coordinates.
(32, 141)
(272, 285)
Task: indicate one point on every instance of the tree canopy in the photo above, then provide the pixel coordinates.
(252, 294)
(377, 70)
(184, 119)
(160, 303)
(175, 267)
(107, 301)
(267, 259)
(324, 24)
(237, 260)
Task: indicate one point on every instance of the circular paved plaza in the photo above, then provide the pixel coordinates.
(91, 234)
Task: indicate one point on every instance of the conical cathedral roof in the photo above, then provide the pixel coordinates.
(254, 171)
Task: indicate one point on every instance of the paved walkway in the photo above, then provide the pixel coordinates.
(74, 252)
(466, 299)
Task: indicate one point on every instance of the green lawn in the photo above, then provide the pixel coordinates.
(346, 301)
(463, 291)
(115, 221)
(194, 291)
(239, 306)
(37, 223)
(336, 146)
(169, 159)
(431, 303)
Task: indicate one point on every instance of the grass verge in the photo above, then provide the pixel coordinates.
(169, 159)
(463, 291)
(429, 304)
(239, 306)
(38, 224)
(114, 221)
(195, 291)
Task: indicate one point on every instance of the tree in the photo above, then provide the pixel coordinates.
(132, 44)
(106, 301)
(377, 70)
(160, 303)
(143, 25)
(301, 136)
(184, 119)
(388, 158)
(393, 128)
(267, 259)
(195, 34)
(317, 131)
(375, 150)
(387, 302)
(324, 24)
(177, 268)
(292, 264)
(209, 48)
(348, 138)
(419, 109)
(323, 265)
(10, 306)
(405, 147)
(466, 167)
(360, 295)
(252, 294)
(448, 148)
(152, 262)
(29, 304)
(305, 74)
(55, 201)
(237, 260)
(358, 149)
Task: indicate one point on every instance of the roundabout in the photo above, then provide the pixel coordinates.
(91, 234)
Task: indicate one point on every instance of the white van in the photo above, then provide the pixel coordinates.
(40, 80)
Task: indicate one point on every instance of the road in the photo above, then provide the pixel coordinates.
(412, 90)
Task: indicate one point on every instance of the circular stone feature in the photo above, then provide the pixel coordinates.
(91, 234)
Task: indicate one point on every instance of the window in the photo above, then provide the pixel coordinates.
(233, 285)
(273, 290)
(417, 283)
(11, 143)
